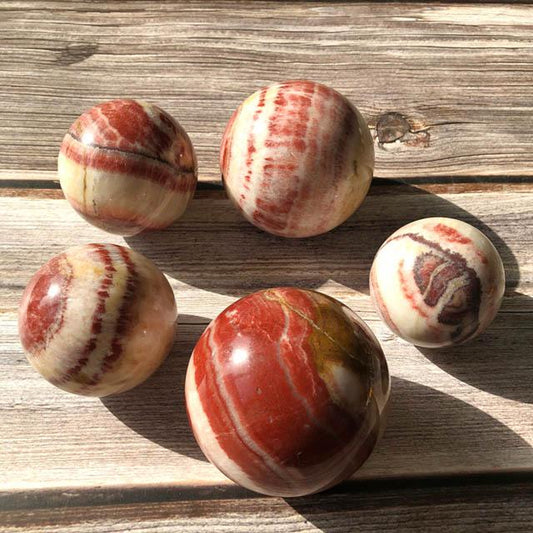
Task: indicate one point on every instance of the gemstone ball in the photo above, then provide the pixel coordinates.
(297, 159)
(437, 282)
(97, 319)
(286, 391)
(127, 166)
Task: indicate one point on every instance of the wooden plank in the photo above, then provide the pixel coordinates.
(392, 507)
(460, 74)
(460, 411)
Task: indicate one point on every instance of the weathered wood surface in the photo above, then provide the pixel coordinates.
(392, 507)
(461, 411)
(459, 73)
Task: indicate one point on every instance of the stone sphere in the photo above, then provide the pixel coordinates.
(286, 391)
(437, 282)
(297, 159)
(127, 166)
(97, 319)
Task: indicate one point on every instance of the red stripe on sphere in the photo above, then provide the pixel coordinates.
(220, 417)
(287, 129)
(407, 293)
(225, 151)
(124, 124)
(125, 314)
(269, 379)
(43, 304)
(129, 163)
(381, 306)
(450, 234)
(251, 149)
(100, 251)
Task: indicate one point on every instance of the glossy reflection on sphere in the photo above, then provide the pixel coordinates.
(97, 319)
(127, 166)
(286, 390)
(437, 282)
(297, 158)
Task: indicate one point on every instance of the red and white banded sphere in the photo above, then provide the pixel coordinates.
(437, 282)
(97, 319)
(297, 158)
(286, 391)
(127, 166)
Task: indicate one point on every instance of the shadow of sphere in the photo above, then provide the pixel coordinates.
(499, 360)
(212, 247)
(428, 432)
(156, 408)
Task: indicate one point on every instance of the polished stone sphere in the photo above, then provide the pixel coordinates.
(297, 159)
(437, 282)
(97, 319)
(127, 166)
(286, 391)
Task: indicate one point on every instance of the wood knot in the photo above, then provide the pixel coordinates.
(394, 131)
(75, 53)
(391, 127)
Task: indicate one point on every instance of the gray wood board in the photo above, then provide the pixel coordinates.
(460, 74)
(459, 411)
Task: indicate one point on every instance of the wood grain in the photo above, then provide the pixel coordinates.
(459, 74)
(392, 507)
(461, 411)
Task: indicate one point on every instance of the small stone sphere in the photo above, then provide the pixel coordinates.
(437, 282)
(297, 159)
(127, 166)
(97, 319)
(286, 391)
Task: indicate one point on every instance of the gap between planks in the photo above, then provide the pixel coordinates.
(45, 185)
(466, 507)
(127, 494)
